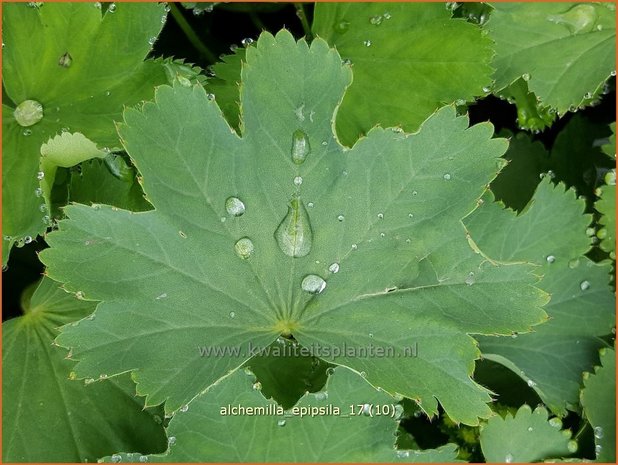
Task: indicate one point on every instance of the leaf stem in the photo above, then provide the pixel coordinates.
(190, 33)
(300, 12)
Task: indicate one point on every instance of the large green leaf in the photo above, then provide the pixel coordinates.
(348, 421)
(82, 67)
(525, 437)
(550, 232)
(47, 417)
(599, 401)
(564, 50)
(246, 244)
(408, 59)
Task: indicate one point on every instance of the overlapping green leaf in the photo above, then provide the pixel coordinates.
(47, 417)
(525, 437)
(348, 421)
(599, 401)
(606, 205)
(564, 50)
(552, 358)
(82, 67)
(246, 244)
(408, 59)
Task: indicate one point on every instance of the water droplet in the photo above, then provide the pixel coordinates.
(578, 20)
(387, 15)
(65, 60)
(171, 440)
(572, 446)
(550, 259)
(598, 448)
(613, 73)
(298, 180)
(161, 296)
(447, 177)
(300, 116)
(257, 386)
(334, 268)
(526, 77)
(310, 204)
(486, 89)
(342, 27)
(294, 235)
(363, 374)
(244, 248)
(574, 263)
(555, 422)
(180, 233)
(380, 216)
(531, 383)
(382, 234)
(354, 247)
(508, 458)
(111, 8)
(610, 178)
(27, 132)
(234, 206)
(470, 280)
(232, 315)
(321, 395)
(514, 335)
(313, 284)
(27, 239)
(143, 458)
(551, 174)
(300, 147)
(40, 175)
(340, 218)
(246, 42)
(376, 20)
(598, 432)
(584, 285)
(530, 429)
(367, 43)
(152, 40)
(281, 423)
(116, 458)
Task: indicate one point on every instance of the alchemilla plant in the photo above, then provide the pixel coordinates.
(370, 233)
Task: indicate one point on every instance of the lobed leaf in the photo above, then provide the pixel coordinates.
(246, 244)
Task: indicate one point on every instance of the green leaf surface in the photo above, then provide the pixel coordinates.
(95, 183)
(49, 418)
(552, 358)
(226, 85)
(564, 50)
(526, 437)
(516, 183)
(408, 59)
(531, 114)
(316, 249)
(599, 401)
(610, 148)
(349, 421)
(83, 67)
(606, 205)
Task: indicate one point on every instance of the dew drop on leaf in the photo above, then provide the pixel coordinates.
(584, 285)
(572, 446)
(232, 315)
(313, 284)
(27, 132)
(65, 60)
(531, 383)
(152, 40)
(38, 192)
(116, 458)
(111, 8)
(40, 175)
(171, 440)
(367, 43)
(447, 177)
(294, 235)
(598, 448)
(508, 458)
(257, 386)
(321, 395)
(380, 216)
(578, 20)
(334, 268)
(340, 218)
(27, 239)
(598, 432)
(298, 180)
(244, 248)
(376, 20)
(300, 147)
(403, 454)
(550, 259)
(470, 280)
(342, 27)
(530, 429)
(143, 458)
(555, 422)
(234, 206)
(281, 423)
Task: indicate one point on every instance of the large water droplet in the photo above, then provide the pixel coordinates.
(244, 248)
(555, 422)
(28, 113)
(572, 446)
(234, 206)
(313, 284)
(294, 235)
(300, 147)
(578, 20)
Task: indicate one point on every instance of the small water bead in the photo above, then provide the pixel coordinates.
(27, 132)
(246, 42)
(334, 268)
(363, 374)
(244, 248)
(210, 97)
(447, 177)
(613, 73)
(367, 43)
(376, 20)
(354, 247)
(300, 147)
(610, 178)
(234, 206)
(257, 386)
(346, 62)
(40, 175)
(65, 60)
(531, 383)
(555, 422)
(233, 48)
(380, 216)
(281, 423)
(180, 233)
(171, 440)
(508, 458)
(313, 284)
(598, 432)
(310, 204)
(232, 315)
(584, 285)
(572, 446)
(598, 448)
(550, 259)
(530, 429)
(161, 296)
(578, 20)
(470, 280)
(143, 458)
(382, 234)
(111, 8)
(152, 40)
(27, 239)
(298, 180)
(525, 77)
(116, 458)
(340, 218)
(97, 5)
(321, 395)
